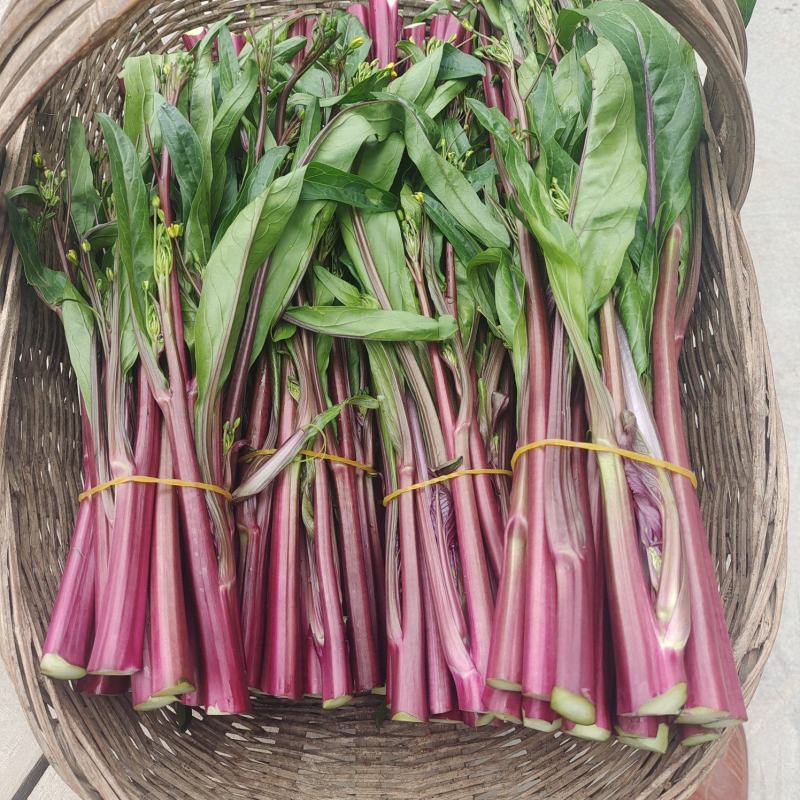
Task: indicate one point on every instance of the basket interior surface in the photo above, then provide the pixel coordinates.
(104, 749)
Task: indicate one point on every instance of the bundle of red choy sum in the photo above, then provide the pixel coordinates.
(376, 326)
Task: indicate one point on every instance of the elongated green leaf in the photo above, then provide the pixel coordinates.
(361, 92)
(444, 95)
(380, 161)
(255, 184)
(26, 190)
(456, 64)
(48, 283)
(227, 279)
(344, 292)
(339, 142)
(416, 84)
(349, 30)
(133, 213)
(664, 75)
(385, 242)
(747, 7)
(371, 324)
(555, 237)
(324, 182)
(78, 321)
(610, 185)
(633, 302)
(139, 77)
(205, 44)
(309, 130)
(226, 120)
(103, 236)
(573, 93)
(450, 186)
(185, 151)
(290, 260)
(197, 234)
(229, 68)
(84, 199)
(337, 146)
(465, 246)
(57, 291)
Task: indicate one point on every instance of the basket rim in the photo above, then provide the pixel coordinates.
(16, 630)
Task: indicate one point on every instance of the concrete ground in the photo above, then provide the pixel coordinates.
(772, 221)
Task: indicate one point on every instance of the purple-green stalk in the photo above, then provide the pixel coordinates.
(435, 517)
(172, 665)
(358, 574)
(68, 644)
(714, 691)
(120, 616)
(282, 665)
(572, 549)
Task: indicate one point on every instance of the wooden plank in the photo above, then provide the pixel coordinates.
(19, 752)
(51, 787)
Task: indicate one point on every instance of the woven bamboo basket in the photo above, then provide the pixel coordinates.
(62, 57)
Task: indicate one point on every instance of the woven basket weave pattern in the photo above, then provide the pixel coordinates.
(286, 751)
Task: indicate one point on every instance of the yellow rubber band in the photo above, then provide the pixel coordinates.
(631, 455)
(443, 479)
(207, 487)
(252, 455)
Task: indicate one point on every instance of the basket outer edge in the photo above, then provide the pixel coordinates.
(17, 645)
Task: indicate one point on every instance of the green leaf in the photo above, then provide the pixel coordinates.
(611, 180)
(317, 82)
(324, 182)
(255, 184)
(380, 161)
(132, 205)
(139, 77)
(309, 130)
(48, 283)
(359, 93)
(26, 190)
(228, 63)
(371, 324)
(555, 237)
(350, 29)
(416, 83)
(290, 259)
(226, 121)
(385, 242)
(443, 96)
(84, 199)
(746, 7)
(662, 67)
(464, 245)
(456, 64)
(78, 321)
(57, 291)
(103, 236)
(247, 243)
(184, 150)
(573, 94)
(482, 176)
(197, 234)
(450, 186)
(633, 300)
(341, 290)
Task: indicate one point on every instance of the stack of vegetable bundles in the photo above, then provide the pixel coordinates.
(376, 327)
